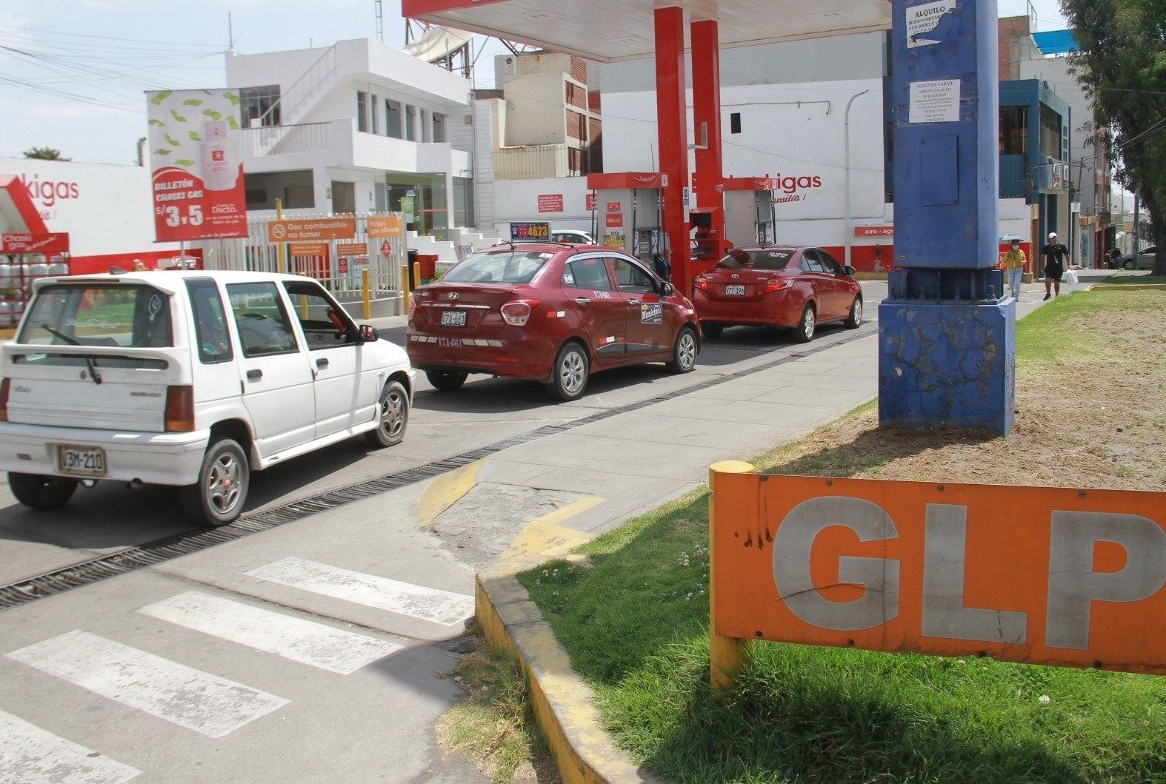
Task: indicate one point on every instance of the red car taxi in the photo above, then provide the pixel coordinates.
(548, 312)
(778, 286)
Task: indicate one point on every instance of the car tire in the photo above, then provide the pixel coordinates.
(804, 331)
(445, 380)
(392, 416)
(684, 351)
(570, 372)
(41, 491)
(854, 320)
(1129, 264)
(711, 329)
(223, 480)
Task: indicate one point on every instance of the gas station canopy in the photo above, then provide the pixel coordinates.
(615, 30)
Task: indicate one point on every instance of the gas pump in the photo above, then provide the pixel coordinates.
(629, 212)
(750, 215)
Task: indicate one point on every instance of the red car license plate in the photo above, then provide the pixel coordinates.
(735, 290)
(81, 460)
(453, 318)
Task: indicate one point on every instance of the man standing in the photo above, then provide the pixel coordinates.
(1054, 254)
(1014, 263)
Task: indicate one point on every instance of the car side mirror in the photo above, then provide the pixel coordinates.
(667, 290)
(849, 270)
(369, 333)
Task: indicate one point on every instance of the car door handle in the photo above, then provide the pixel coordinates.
(322, 362)
(634, 302)
(582, 301)
(254, 375)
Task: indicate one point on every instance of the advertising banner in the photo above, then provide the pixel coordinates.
(196, 160)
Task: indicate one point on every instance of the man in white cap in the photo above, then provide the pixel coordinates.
(1054, 254)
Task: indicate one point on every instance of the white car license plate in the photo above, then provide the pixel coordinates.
(81, 460)
(453, 318)
(735, 290)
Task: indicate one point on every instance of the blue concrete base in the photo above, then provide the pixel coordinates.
(947, 364)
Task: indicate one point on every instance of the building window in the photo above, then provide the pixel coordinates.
(1013, 130)
(1050, 133)
(373, 115)
(426, 129)
(411, 123)
(259, 106)
(439, 128)
(393, 119)
(362, 111)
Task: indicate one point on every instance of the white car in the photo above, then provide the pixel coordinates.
(189, 378)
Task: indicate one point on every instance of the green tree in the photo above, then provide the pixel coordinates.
(1121, 64)
(44, 154)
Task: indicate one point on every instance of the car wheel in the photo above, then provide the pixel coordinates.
(445, 380)
(392, 416)
(711, 329)
(684, 351)
(1129, 264)
(854, 320)
(218, 496)
(805, 329)
(39, 491)
(569, 375)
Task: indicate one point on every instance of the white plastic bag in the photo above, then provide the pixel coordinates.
(1070, 277)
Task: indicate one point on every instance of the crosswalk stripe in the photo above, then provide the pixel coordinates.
(428, 604)
(29, 753)
(297, 639)
(188, 697)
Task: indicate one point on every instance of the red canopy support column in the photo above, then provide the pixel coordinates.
(672, 119)
(706, 124)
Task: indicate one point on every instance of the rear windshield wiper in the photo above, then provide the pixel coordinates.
(90, 362)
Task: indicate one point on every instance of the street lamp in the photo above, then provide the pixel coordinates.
(846, 157)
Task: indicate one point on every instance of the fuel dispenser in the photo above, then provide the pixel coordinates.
(630, 215)
(750, 214)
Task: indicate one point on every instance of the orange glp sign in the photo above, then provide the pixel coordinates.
(1029, 574)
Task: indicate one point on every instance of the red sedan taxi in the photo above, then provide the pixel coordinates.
(777, 286)
(549, 312)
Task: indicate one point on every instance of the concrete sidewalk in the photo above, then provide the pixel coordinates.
(639, 459)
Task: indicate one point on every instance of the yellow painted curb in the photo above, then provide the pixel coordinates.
(564, 706)
(444, 491)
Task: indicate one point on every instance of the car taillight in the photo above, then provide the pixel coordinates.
(703, 285)
(180, 409)
(4, 400)
(516, 312)
(777, 284)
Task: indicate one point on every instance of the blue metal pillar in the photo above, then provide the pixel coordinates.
(947, 330)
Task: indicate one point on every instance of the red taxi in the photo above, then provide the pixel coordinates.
(549, 312)
(777, 286)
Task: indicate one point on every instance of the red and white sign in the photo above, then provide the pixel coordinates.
(874, 231)
(351, 249)
(197, 164)
(614, 206)
(613, 220)
(590, 201)
(23, 242)
(550, 202)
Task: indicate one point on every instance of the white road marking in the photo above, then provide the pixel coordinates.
(297, 639)
(28, 753)
(190, 698)
(416, 601)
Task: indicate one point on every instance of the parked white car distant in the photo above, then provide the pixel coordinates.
(188, 378)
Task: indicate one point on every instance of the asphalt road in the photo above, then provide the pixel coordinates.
(310, 643)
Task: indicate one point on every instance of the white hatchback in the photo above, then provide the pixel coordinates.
(189, 378)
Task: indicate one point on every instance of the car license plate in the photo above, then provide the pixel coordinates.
(81, 460)
(735, 290)
(453, 318)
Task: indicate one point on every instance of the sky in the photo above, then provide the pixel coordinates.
(74, 73)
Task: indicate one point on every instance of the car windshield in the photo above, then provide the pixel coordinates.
(765, 258)
(512, 266)
(93, 314)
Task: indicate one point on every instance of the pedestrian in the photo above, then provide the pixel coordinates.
(1014, 263)
(1054, 254)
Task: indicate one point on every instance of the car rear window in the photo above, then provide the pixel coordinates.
(513, 267)
(92, 314)
(766, 259)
